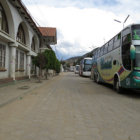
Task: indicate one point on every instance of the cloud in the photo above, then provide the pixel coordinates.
(67, 49)
(73, 3)
(82, 24)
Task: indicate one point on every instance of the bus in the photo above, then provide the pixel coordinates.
(85, 66)
(117, 62)
(76, 69)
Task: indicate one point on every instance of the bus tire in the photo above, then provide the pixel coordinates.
(94, 78)
(117, 86)
(97, 78)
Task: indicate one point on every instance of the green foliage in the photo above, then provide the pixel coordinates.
(51, 59)
(47, 60)
(57, 66)
(40, 60)
(62, 62)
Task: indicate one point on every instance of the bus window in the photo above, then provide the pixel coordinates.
(98, 53)
(101, 52)
(119, 36)
(136, 32)
(117, 41)
(126, 32)
(126, 43)
(126, 39)
(106, 48)
(110, 47)
(88, 61)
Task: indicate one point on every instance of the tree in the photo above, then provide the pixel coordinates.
(47, 60)
(53, 62)
(57, 66)
(63, 62)
(40, 61)
(51, 58)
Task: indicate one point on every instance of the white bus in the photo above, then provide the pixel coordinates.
(85, 66)
(77, 69)
(117, 62)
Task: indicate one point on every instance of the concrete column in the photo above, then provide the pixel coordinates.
(29, 65)
(12, 60)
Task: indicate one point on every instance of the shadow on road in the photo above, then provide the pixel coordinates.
(131, 93)
(126, 92)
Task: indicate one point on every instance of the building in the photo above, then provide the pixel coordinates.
(49, 37)
(20, 41)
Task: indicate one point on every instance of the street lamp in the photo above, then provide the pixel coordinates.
(124, 20)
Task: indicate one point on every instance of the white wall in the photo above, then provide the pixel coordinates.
(14, 20)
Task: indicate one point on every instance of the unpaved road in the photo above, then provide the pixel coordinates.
(72, 108)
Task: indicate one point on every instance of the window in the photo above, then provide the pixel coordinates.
(21, 35)
(136, 32)
(33, 67)
(98, 53)
(126, 31)
(118, 37)
(126, 43)
(21, 61)
(106, 48)
(127, 39)
(110, 47)
(88, 61)
(111, 42)
(101, 53)
(2, 55)
(16, 59)
(3, 20)
(117, 41)
(33, 44)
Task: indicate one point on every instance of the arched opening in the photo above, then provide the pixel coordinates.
(33, 44)
(3, 20)
(21, 35)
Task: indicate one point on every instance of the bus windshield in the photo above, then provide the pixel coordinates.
(88, 61)
(77, 68)
(136, 32)
(87, 68)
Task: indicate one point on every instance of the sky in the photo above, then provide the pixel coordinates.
(83, 25)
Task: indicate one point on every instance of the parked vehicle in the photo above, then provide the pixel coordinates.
(72, 68)
(76, 69)
(85, 66)
(117, 62)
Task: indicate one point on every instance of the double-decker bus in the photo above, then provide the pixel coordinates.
(117, 62)
(85, 66)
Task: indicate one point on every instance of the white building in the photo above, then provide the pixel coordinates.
(20, 40)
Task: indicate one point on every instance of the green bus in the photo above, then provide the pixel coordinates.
(117, 62)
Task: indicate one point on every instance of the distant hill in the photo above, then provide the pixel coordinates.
(76, 60)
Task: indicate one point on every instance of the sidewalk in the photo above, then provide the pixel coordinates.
(12, 92)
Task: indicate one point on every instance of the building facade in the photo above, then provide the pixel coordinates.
(20, 41)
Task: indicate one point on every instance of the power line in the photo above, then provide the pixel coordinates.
(40, 11)
(30, 2)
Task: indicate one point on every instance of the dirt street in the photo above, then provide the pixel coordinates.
(72, 108)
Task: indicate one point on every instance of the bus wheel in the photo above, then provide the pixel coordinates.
(97, 78)
(117, 86)
(94, 78)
